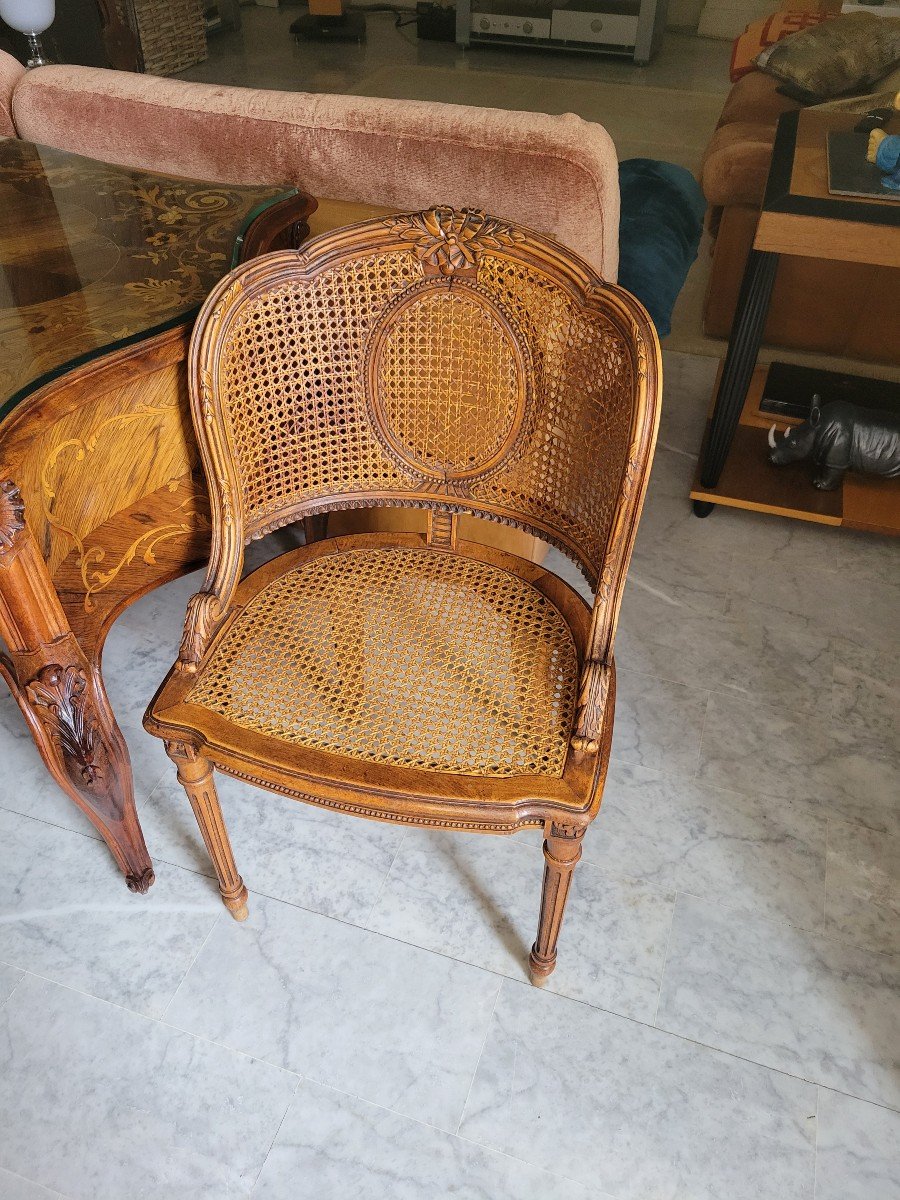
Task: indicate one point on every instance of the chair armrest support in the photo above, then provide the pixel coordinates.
(591, 710)
(204, 615)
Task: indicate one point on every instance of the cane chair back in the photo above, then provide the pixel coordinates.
(441, 360)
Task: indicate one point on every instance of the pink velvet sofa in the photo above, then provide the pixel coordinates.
(557, 174)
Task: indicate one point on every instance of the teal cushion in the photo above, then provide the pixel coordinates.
(659, 233)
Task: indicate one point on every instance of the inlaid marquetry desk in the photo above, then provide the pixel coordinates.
(101, 497)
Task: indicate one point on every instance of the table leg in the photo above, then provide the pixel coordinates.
(740, 360)
(61, 695)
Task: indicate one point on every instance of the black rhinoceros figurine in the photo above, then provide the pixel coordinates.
(841, 437)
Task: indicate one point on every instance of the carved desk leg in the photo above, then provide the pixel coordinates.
(62, 697)
(562, 850)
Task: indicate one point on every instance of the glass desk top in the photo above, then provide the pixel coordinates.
(94, 256)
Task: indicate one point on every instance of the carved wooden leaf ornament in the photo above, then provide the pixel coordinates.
(59, 695)
(12, 513)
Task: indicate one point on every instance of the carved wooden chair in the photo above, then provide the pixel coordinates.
(441, 360)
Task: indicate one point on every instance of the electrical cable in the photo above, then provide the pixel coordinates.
(398, 11)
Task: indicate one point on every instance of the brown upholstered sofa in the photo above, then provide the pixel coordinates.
(557, 174)
(844, 309)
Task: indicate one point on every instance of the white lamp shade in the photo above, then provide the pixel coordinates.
(28, 16)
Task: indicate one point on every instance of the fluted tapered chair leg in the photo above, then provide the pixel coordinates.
(561, 853)
(195, 774)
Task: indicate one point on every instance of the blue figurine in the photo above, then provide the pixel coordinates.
(884, 152)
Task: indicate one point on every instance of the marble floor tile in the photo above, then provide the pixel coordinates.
(869, 556)
(318, 859)
(757, 748)
(343, 1006)
(131, 683)
(149, 763)
(862, 885)
(767, 660)
(14, 1187)
(830, 603)
(9, 977)
(104, 1103)
(66, 914)
(630, 1110)
(866, 690)
(695, 560)
(658, 723)
(767, 544)
(140, 649)
(745, 851)
(784, 997)
(688, 384)
(668, 522)
(858, 1154)
(477, 899)
(682, 576)
(866, 778)
(342, 1147)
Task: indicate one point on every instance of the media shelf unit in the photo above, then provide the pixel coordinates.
(631, 28)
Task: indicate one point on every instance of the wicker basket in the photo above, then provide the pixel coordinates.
(173, 34)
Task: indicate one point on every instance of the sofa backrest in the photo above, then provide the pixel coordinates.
(557, 174)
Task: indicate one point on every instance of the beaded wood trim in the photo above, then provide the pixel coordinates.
(382, 814)
(416, 658)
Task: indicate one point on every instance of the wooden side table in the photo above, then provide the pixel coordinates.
(799, 216)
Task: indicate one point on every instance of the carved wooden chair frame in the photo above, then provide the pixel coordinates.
(439, 253)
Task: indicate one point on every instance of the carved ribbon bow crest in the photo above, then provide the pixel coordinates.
(447, 240)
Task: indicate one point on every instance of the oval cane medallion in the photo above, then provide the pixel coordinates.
(447, 382)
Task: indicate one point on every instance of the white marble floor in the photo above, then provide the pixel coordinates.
(724, 1023)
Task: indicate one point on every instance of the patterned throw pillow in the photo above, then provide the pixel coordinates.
(759, 35)
(844, 55)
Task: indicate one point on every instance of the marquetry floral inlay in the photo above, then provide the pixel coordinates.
(96, 570)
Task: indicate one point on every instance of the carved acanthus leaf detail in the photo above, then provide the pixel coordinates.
(595, 682)
(12, 514)
(229, 296)
(59, 696)
(181, 751)
(206, 396)
(450, 240)
(203, 615)
(563, 829)
(227, 506)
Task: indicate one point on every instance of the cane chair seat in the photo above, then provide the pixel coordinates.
(408, 657)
